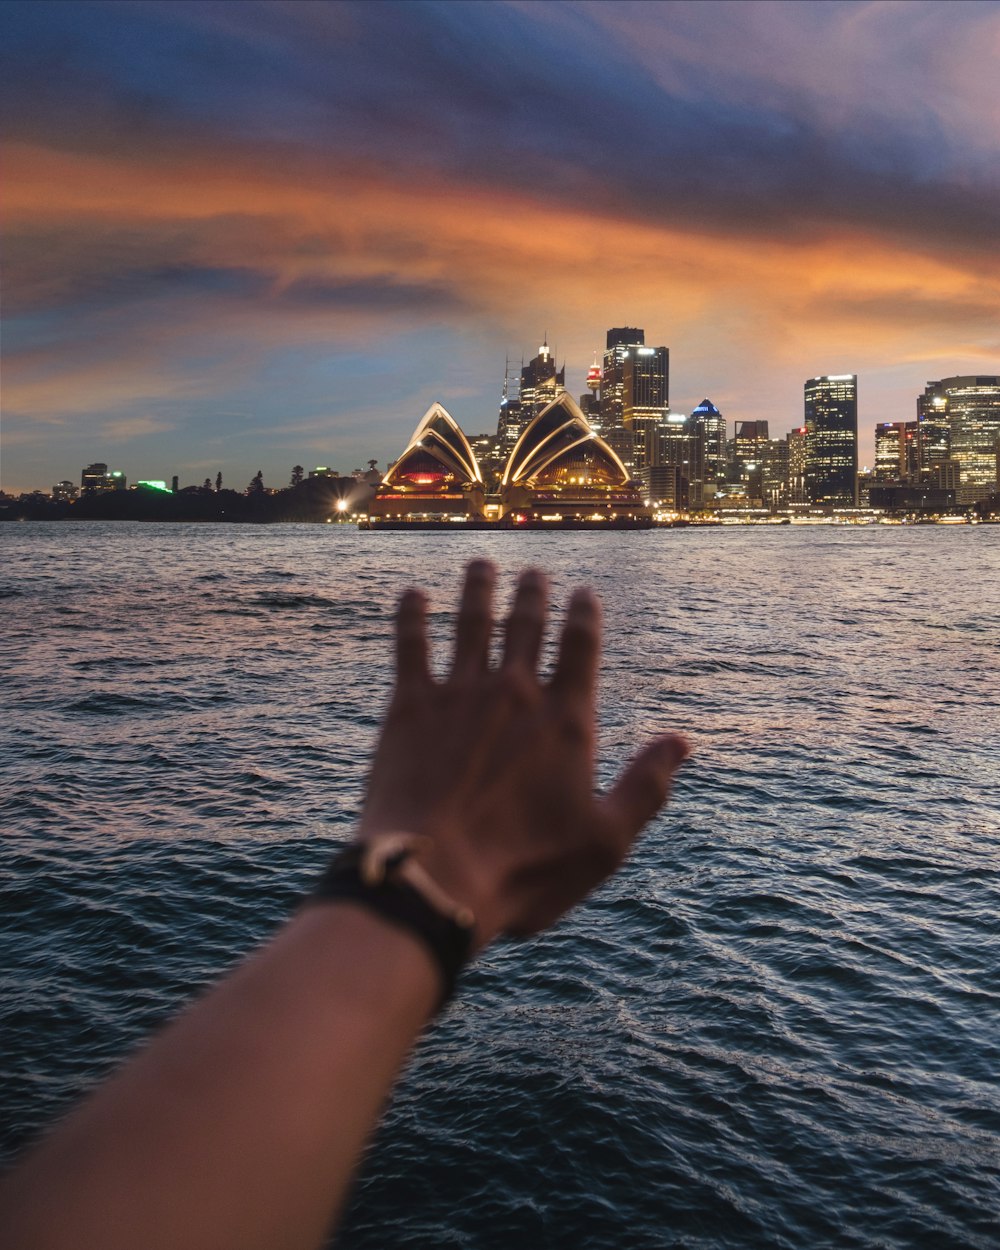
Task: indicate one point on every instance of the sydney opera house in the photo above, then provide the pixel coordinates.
(559, 472)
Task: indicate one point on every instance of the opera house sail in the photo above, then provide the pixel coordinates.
(558, 472)
(437, 475)
(560, 469)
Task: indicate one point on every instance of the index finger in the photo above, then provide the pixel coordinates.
(579, 647)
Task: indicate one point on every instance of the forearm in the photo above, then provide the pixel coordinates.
(241, 1124)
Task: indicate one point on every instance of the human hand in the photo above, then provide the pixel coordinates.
(494, 768)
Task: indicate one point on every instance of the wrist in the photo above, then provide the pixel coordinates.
(441, 847)
(383, 876)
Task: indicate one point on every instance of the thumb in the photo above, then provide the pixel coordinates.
(643, 787)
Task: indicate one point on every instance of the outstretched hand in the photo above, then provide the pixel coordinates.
(495, 767)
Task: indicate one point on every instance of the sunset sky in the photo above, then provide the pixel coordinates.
(243, 236)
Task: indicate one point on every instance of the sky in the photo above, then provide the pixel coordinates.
(245, 236)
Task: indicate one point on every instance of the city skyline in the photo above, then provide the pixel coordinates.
(263, 235)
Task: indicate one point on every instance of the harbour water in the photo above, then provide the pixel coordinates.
(779, 1026)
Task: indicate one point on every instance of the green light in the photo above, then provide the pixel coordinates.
(156, 486)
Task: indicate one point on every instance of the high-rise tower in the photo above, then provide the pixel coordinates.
(541, 382)
(709, 424)
(831, 421)
(619, 340)
(972, 410)
(645, 400)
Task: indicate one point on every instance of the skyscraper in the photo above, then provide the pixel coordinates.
(831, 421)
(619, 340)
(972, 410)
(709, 423)
(891, 452)
(750, 447)
(541, 382)
(796, 440)
(933, 432)
(645, 400)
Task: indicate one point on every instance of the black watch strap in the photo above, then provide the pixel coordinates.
(448, 941)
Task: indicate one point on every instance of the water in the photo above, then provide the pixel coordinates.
(777, 1027)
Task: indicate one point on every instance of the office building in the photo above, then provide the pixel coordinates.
(750, 444)
(645, 400)
(510, 423)
(796, 441)
(972, 411)
(541, 383)
(618, 342)
(95, 479)
(933, 432)
(831, 421)
(678, 448)
(708, 423)
(774, 461)
(896, 451)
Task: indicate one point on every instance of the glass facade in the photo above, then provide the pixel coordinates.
(890, 451)
(645, 399)
(831, 421)
(972, 405)
(708, 423)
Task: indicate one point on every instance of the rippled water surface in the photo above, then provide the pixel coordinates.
(779, 1026)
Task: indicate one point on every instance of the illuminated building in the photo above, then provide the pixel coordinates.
(489, 456)
(749, 449)
(645, 400)
(590, 406)
(709, 423)
(831, 421)
(678, 448)
(436, 476)
(890, 451)
(590, 401)
(562, 469)
(541, 382)
(65, 491)
(594, 377)
(510, 423)
(797, 466)
(774, 463)
(95, 479)
(665, 486)
(933, 431)
(618, 342)
(972, 409)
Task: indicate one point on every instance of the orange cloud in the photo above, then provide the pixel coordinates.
(226, 259)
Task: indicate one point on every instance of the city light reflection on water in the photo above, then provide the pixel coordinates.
(775, 1027)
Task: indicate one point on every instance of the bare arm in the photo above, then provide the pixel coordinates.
(240, 1125)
